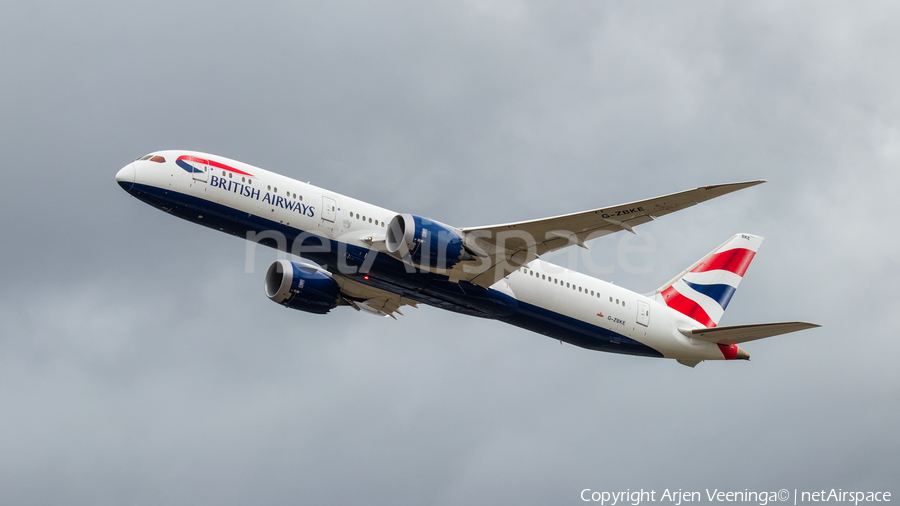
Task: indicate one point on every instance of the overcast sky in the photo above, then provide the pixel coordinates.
(140, 363)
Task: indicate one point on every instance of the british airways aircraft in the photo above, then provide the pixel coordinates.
(376, 260)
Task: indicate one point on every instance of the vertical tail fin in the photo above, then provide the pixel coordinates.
(703, 290)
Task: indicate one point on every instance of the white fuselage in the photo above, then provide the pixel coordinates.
(548, 298)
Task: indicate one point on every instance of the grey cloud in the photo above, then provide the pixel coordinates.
(140, 364)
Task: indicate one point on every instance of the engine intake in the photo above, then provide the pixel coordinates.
(424, 242)
(302, 287)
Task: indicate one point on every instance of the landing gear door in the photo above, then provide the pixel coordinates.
(643, 315)
(329, 209)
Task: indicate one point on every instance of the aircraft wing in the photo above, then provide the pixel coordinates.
(743, 333)
(501, 249)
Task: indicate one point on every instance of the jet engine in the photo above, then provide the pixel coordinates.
(424, 242)
(303, 287)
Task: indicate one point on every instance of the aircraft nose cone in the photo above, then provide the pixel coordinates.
(125, 177)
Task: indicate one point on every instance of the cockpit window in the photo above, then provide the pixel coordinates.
(157, 158)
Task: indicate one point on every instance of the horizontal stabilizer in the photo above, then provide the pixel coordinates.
(743, 333)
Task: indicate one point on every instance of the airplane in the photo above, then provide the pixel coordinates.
(377, 261)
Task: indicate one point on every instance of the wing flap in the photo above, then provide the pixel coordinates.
(742, 333)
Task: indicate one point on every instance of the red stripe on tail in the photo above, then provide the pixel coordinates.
(686, 306)
(734, 260)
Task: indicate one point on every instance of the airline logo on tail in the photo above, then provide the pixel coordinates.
(703, 291)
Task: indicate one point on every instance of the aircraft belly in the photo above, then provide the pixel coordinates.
(389, 274)
(576, 332)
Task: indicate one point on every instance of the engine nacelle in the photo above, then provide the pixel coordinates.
(424, 242)
(302, 287)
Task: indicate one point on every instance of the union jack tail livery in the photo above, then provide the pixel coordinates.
(702, 292)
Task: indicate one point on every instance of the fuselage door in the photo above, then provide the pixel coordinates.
(201, 170)
(643, 315)
(329, 209)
